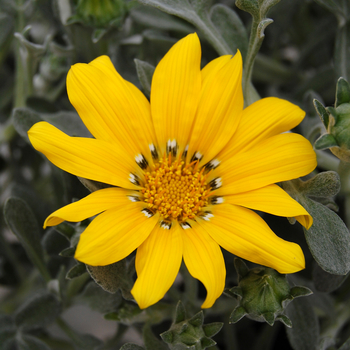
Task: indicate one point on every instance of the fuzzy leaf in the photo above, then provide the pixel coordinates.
(68, 122)
(325, 141)
(257, 8)
(76, 271)
(305, 333)
(211, 329)
(241, 268)
(325, 184)
(38, 312)
(322, 112)
(285, 320)
(328, 238)
(230, 27)
(197, 320)
(238, 313)
(23, 224)
(180, 312)
(207, 342)
(113, 277)
(153, 18)
(127, 314)
(326, 282)
(342, 94)
(100, 300)
(145, 73)
(68, 252)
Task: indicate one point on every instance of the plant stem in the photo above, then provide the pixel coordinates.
(20, 88)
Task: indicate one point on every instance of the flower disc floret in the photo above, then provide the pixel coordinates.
(176, 190)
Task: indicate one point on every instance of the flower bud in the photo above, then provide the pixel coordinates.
(99, 14)
(337, 123)
(190, 334)
(263, 294)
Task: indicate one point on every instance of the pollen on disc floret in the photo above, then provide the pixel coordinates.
(176, 190)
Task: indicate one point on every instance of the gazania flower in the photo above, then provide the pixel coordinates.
(184, 169)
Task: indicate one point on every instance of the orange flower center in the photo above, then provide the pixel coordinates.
(175, 190)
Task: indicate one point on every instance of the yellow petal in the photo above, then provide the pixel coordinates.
(273, 200)
(158, 262)
(261, 120)
(89, 158)
(113, 109)
(245, 234)
(115, 234)
(175, 93)
(91, 205)
(219, 109)
(279, 158)
(204, 260)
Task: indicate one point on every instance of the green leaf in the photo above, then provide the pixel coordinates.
(196, 13)
(322, 112)
(38, 312)
(113, 277)
(127, 314)
(145, 73)
(325, 141)
(238, 313)
(68, 122)
(23, 224)
(130, 346)
(342, 52)
(76, 271)
(212, 329)
(153, 18)
(257, 8)
(98, 299)
(328, 238)
(151, 341)
(326, 282)
(230, 27)
(305, 333)
(325, 184)
(24, 119)
(342, 94)
(180, 312)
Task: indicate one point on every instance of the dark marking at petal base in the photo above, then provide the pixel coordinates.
(141, 161)
(206, 215)
(212, 164)
(215, 183)
(171, 147)
(197, 156)
(185, 225)
(134, 179)
(153, 151)
(147, 212)
(166, 225)
(216, 200)
(134, 198)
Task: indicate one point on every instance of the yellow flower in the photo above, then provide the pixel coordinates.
(184, 169)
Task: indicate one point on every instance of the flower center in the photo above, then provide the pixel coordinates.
(175, 190)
